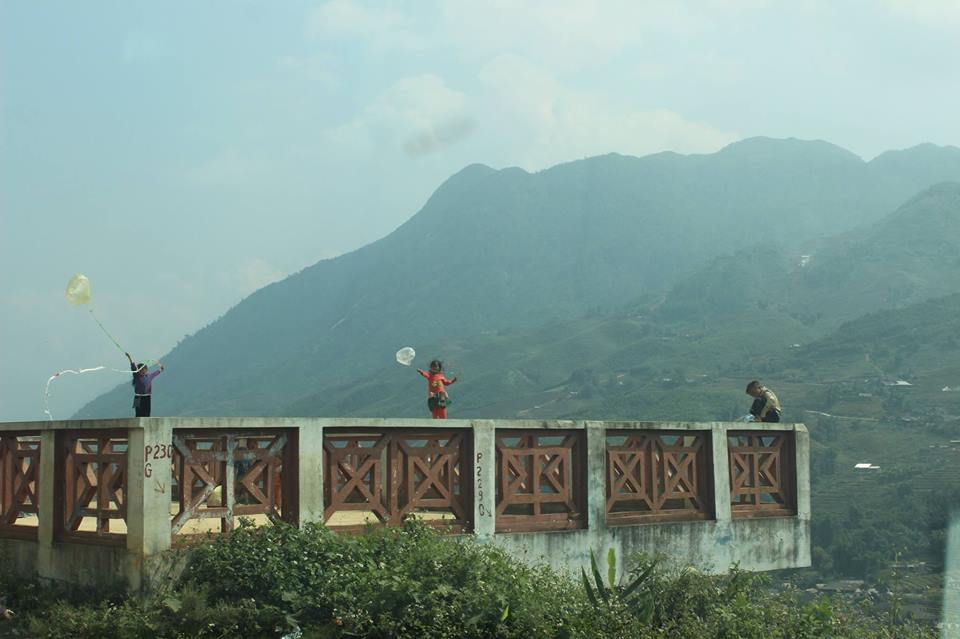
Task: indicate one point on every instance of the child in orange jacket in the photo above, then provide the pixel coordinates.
(437, 398)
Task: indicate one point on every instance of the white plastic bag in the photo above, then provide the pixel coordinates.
(405, 355)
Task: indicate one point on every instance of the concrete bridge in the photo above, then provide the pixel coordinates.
(90, 501)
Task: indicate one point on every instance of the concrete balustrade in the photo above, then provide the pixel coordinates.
(113, 499)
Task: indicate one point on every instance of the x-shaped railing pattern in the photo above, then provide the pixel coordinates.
(19, 473)
(656, 476)
(397, 474)
(224, 476)
(95, 470)
(759, 483)
(539, 480)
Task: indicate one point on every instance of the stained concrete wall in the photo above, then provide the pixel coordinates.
(951, 581)
(709, 546)
(765, 543)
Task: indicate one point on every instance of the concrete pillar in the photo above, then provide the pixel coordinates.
(802, 483)
(721, 474)
(149, 479)
(310, 473)
(596, 476)
(484, 469)
(46, 522)
(951, 580)
(802, 459)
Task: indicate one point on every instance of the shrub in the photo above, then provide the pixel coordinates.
(412, 581)
(741, 605)
(407, 581)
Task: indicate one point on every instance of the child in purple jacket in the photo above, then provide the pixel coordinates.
(142, 386)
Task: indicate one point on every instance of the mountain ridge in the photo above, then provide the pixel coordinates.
(495, 249)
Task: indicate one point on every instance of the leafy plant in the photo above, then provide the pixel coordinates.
(630, 594)
(411, 581)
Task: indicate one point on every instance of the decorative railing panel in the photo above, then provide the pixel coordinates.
(540, 480)
(222, 476)
(385, 476)
(19, 483)
(761, 473)
(94, 467)
(657, 476)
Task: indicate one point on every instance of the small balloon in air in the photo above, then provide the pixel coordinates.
(405, 355)
(78, 290)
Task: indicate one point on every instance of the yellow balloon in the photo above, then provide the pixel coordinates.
(78, 289)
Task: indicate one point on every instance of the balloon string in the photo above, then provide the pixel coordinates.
(146, 362)
(46, 390)
(106, 332)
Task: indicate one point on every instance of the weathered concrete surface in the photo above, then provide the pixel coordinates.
(310, 473)
(709, 546)
(85, 564)
(18, 557)
(759, 544)
(484, 479)
(951, 581)
(148, 501)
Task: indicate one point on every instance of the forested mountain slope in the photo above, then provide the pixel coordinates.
(508, 250)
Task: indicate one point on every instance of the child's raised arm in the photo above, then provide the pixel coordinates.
(156, 372)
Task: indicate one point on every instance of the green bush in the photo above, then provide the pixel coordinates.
(397, 582)
(741, 605)
(412, 581)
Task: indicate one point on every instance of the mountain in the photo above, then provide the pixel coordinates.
(508, 250)
(908, 256)
(758, 312)
(919, 341)
(918, 164)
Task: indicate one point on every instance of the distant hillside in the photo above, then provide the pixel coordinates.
(757, 313)
(920, 163)
(906, 257)
(507, 250)
(624, 367)
(918, 340)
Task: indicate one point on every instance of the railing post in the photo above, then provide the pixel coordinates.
(48, 494)
(951, 578)
(801, 480)
(721, 474)
(310, 473)
(484, 469)
(149, 479)
(596, 475)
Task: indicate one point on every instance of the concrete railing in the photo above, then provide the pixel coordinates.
(87, 500)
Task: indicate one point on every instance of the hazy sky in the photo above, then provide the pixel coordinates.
(183, 154)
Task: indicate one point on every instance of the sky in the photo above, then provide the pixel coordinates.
(183, 155)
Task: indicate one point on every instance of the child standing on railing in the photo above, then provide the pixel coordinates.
(437, 398)
(142, 386)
